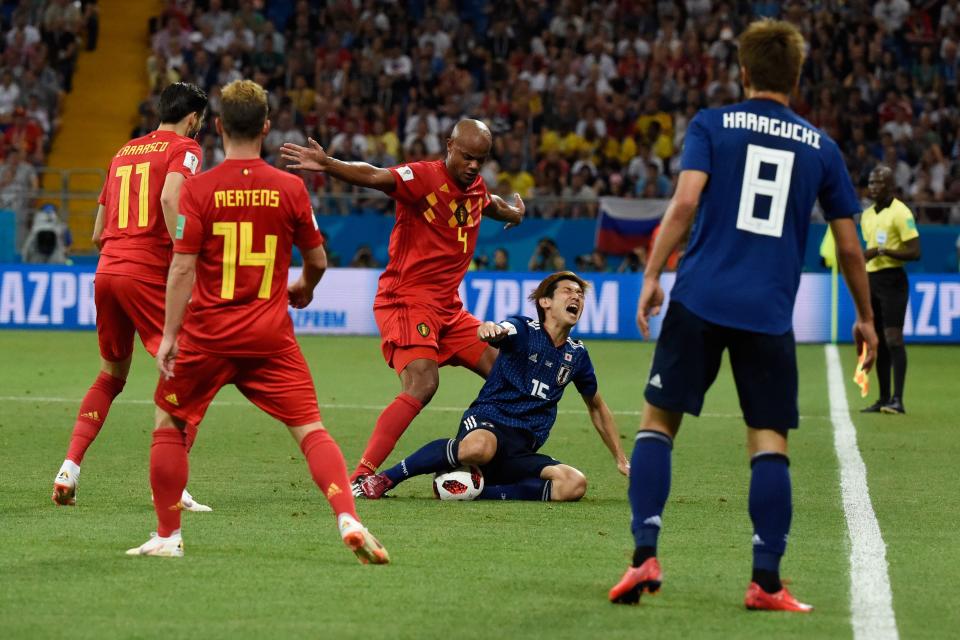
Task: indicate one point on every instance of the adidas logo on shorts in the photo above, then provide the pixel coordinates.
(655, 381)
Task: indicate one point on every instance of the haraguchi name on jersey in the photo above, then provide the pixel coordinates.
(771, 126)
(246, 198)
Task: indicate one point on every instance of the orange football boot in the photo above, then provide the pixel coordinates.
(637, 580)
(759, 600)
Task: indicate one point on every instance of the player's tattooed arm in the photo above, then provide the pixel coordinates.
(491, 332)
(314, 158)
(499, 209)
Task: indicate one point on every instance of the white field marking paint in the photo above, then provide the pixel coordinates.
(871, 599)
(335, 405)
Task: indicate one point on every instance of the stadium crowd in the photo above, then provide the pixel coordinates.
(585, 98)
(39, 46)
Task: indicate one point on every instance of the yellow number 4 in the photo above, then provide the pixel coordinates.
(143, 203)
(248, 258)
(462, 237)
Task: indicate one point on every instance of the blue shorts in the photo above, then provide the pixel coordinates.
(687, 359)
(516, 458)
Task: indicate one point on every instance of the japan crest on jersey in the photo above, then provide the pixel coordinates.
(563, 375)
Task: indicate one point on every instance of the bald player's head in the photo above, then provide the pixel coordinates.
(880, 184)
(467, 149)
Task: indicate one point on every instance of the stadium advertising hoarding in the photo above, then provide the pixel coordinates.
(60, 297)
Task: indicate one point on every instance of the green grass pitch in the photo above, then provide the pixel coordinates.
(268, 562)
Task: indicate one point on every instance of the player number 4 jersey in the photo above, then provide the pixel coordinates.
(529, 377)
(434, 236)
(136, 241)
(242, 218)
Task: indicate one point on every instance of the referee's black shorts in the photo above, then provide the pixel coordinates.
(889, 292)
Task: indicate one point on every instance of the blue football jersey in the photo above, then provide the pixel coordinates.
(528, 379)
(767, 167)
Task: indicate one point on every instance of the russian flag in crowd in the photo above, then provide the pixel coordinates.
(626, 223)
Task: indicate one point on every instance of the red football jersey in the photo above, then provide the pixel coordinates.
(243, 218)
(136, 242)
(433, 239)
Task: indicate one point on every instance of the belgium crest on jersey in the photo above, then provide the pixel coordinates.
(563, 375)
(461, 215)
(423, 329)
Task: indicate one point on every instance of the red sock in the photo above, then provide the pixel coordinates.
(93, 413)
(390, 426)
(190, 435)
(329, 470)
(168, 477)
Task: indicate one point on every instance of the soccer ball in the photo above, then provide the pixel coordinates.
(463, 483)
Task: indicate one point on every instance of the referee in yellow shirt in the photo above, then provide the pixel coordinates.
(892, 239)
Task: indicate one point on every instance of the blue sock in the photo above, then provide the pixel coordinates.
(437, 456)
(531, 489)
(770, 509)
(649, 488)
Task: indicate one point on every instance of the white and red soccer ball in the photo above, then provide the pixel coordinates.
(463, 483)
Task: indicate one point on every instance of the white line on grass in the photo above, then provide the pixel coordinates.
(871, 600)
(335, 405)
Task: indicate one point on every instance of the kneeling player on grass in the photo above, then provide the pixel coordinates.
(510, 420)
(236, 231)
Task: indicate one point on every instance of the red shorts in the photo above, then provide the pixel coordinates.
(125, 305)
(279, 384)
(410, 332)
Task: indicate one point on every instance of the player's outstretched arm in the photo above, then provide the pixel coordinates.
(314, 158)
(179, 284)
(300, 292)
(170, 201)
(673, 228)
(854, 269)
(491, 332)
(606, 426)
(499, 209)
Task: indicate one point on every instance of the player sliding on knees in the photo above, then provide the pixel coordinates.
(750, 174)
(134, 231)
(510, 420)
(236, 231)
(423, 325)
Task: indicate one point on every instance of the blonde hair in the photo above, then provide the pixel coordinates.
(772, 53)
(243, 109)
(549, 284)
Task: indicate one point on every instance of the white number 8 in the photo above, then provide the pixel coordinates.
(777, 189)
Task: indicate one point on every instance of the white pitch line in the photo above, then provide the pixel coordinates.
(871, 599)
(334, 405)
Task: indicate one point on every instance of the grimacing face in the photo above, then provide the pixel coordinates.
(566, 304)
